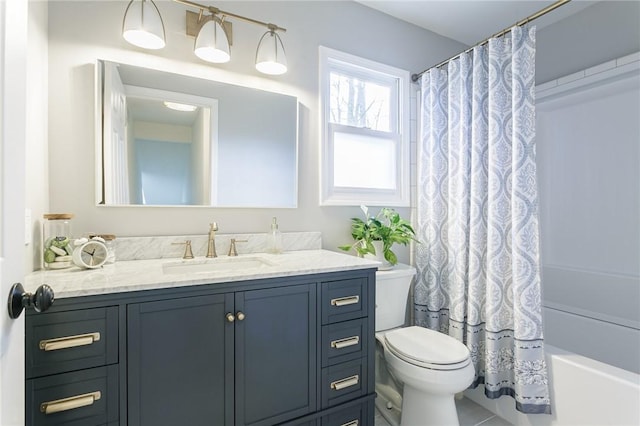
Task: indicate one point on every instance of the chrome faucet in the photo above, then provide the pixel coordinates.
(211, 246)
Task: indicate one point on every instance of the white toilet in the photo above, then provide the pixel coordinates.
(418, 371)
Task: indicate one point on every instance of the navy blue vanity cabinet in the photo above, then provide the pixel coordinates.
(294, 351)
(345, 343)
(243, 358)
(71, 367)
(276, 350)
(180, 361)
(347, 351)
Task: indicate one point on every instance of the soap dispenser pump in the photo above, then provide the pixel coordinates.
(275, 238)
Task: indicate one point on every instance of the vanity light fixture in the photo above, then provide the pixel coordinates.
(213, 38)
(270, 57)
(180, 107)
(142, 25)
(212, 44)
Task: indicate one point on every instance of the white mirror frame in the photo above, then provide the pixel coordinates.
(190, 73)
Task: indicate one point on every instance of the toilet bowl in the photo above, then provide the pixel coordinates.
(418, 371)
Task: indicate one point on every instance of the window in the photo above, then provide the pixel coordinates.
(365, 131)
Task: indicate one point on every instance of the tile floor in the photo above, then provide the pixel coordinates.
(469, 414)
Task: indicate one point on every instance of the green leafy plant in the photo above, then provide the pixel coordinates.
(387, 226)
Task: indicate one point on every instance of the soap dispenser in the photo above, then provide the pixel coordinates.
(274, 244)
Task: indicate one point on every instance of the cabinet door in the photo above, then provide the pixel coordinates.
(180, 362)
(275, 354)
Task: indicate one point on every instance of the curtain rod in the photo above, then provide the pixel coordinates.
(415, 77)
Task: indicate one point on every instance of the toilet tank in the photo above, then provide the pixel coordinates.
(392, 292)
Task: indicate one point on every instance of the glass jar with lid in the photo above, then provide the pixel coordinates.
(57, 241)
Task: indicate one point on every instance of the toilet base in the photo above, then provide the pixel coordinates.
(427, 409)
(388, 402)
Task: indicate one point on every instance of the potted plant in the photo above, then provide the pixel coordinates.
(383, 230)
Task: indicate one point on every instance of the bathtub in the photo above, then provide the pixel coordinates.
(583, 392)
(592, 346)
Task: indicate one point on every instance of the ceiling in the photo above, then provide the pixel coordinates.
(472, 21)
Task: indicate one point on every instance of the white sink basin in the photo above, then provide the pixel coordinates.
(218, 264)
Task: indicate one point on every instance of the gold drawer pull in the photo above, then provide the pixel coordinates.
(351, 423)
(69, 341)
(342, 301)
(70, 403)
(345, 383)
(343, 343)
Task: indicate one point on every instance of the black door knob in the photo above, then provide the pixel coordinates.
(41, 300)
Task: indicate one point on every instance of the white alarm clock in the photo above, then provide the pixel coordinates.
(90, 254)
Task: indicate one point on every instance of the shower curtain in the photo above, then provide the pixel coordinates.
(478, 264)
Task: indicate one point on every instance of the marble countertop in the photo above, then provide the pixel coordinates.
(135, 275)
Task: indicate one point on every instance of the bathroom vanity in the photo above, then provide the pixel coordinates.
(137, 343)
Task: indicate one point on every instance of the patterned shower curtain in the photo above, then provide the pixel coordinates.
(478, 264)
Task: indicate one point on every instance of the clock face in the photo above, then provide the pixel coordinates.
(92, 254)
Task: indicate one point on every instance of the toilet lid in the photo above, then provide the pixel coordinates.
(427, 348)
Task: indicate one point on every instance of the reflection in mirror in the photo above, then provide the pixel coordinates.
(169, 139)
(166, 149)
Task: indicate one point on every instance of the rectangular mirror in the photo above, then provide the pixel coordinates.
(175, 140)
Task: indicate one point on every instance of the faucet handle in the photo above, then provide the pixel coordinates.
(232, 246)
(188, 253)
(213, 226)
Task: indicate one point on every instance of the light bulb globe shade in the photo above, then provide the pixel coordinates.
(270, 56)
(142, 25)
(212, 44)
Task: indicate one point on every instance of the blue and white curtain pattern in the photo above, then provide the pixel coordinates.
(478, 264)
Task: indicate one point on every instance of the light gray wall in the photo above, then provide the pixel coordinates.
(602, 32)
(81, 32)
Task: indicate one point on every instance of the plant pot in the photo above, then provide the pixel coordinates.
(379, 256)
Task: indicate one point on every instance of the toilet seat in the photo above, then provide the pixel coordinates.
(427, 348)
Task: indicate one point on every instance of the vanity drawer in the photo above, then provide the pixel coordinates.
(344, 341)
(67, 341)
(313, 422)
(344, 300)
(87, 398)
(357, 415)
(344, 382)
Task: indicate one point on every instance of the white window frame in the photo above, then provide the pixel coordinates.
(330, 195)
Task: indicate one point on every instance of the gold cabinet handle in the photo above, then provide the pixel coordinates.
(346, 342)
(70, 403)
(69, 341)
(342, 301)
(351, 423)
(345, 383)
(230, 317)
(240, 316)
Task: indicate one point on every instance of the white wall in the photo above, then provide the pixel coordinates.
(81, 32)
